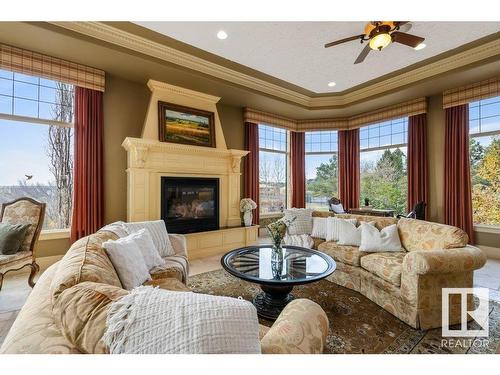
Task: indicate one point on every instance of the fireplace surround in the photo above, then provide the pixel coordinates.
(190, 204)
(149, 161)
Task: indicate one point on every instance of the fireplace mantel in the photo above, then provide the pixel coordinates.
(148, 161)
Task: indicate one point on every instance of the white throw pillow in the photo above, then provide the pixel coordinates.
(148, 249)
(303, 220)
(349, 235)
(373, 240)
(338, 208)
(333, 227)
(319, 227)
(158, 232)
(302, 240)
(128, 261)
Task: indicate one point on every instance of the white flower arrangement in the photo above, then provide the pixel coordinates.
(247, 204)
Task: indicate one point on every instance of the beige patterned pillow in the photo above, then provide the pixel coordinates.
(425, 235)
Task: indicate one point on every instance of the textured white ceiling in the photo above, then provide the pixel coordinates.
(294, 51)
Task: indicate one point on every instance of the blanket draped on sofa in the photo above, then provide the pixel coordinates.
(155, 321)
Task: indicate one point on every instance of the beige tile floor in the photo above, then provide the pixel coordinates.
(15, 289)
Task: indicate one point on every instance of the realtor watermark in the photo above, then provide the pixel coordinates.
(474, 334)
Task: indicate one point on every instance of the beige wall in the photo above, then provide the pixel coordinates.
(125, 105)
(232, 125)
(435, 149)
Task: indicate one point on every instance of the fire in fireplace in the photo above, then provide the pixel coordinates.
(190, 204)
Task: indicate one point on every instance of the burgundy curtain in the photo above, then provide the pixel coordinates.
(349, 168)
(457, 184)
(298, 168)
(88, 163)
(417, 161)
(251, 166)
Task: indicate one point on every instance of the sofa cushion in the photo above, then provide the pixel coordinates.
(342, 253)
(86, 260)
(176, 267)
(81, 313)
(425, 235)
(34, 331)
(387, 266)
(380, 222)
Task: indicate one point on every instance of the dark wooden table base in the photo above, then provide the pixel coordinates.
(272, 301)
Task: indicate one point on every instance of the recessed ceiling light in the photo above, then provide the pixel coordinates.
(420, 46)
(331, 84)
(222, 35)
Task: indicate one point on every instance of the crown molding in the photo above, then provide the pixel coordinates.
(113, 35)
(157, 85)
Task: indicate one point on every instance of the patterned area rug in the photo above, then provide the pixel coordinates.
(357, 325)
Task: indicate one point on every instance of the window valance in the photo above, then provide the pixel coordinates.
(32, 63)
(471, 93)
(406, 109)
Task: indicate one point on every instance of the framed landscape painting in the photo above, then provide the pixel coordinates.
(185, 125)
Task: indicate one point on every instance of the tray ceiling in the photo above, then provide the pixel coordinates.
(294, 52)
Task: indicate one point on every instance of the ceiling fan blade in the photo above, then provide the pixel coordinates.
(406, 39)
(363, 54)
(404, 26)
(331, 44)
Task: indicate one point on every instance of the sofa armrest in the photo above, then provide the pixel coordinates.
(179, 244)
(422, 262)
(301, 328)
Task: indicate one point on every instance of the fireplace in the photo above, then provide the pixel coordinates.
(190, 204)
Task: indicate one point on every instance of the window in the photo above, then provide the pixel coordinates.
(383, 170)
(484, 129)
(36, 144)
(321, 168)
(273, 169)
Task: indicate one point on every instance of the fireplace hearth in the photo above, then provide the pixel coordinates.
(190, 204)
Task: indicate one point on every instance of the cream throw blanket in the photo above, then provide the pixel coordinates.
(156, 321)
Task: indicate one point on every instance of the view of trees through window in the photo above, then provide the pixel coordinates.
(36, 157)
(273, 166)
(484, 127)
(321, 168)
(383, 165)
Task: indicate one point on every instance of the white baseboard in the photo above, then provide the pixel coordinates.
(46, 262)
(491, 252)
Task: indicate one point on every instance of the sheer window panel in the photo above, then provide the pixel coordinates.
(6, 74)
(27, 108)
(490, 124)
(489, 110)
(26, 78)
(6, 105)
(25, 90)
(6, 87)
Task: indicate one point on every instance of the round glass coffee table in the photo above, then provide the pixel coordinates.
(277, 274)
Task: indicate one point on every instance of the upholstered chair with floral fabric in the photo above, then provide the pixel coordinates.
(23, 211)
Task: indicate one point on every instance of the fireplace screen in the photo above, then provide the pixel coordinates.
(190, 204)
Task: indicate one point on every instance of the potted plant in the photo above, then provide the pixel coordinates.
(247, 205)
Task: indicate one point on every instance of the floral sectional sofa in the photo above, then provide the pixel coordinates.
(408, 284)
(66, 311)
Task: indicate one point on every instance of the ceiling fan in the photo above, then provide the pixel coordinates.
(379, 34)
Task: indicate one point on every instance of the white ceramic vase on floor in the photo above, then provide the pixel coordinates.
(247, 218)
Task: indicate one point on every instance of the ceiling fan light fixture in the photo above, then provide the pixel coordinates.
(380, 41)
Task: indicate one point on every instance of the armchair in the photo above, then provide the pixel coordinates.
(23, 211)
(418, 212)
(335, 205)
